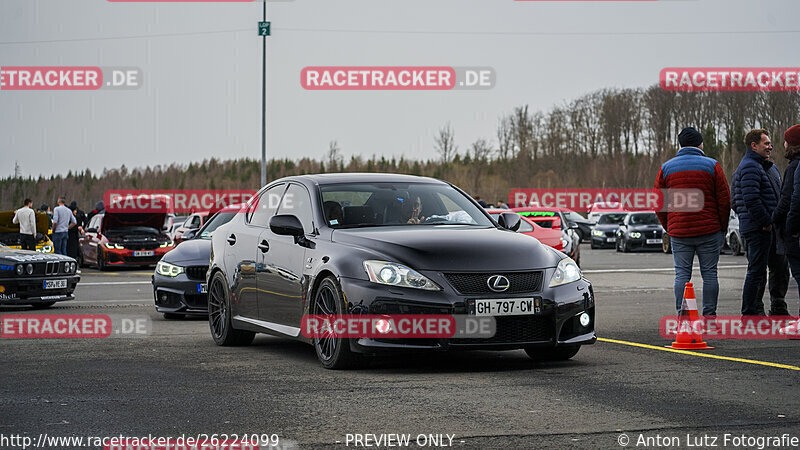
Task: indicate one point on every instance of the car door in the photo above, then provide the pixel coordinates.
(89, 241)
(242, 242)
(281, 264)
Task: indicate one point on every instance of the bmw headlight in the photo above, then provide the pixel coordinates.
(168, 270)
(566, 272)
(598, 233)
(393, 274)
(20, 269)
(635, 234)
(167, 244)
(113, 245)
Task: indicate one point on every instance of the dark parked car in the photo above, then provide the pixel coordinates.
(604, 233)
(584, 225)
(124, 239)
(179, 281)
(34, 278)
(389, 244)
(640, 231)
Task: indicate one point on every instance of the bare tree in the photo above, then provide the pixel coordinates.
(479, 153)
(444, 142)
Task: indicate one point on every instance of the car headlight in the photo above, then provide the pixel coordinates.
(598, 233)
(393, 274)
(20, 269)
(167, 244)
(113, 245)
(635, 234)
(45, 249)
(566, 272)
(168, 270)
(29, 269)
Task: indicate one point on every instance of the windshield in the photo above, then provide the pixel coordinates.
(644, 219)
(398, 204)
(216, 221)
(611, 219)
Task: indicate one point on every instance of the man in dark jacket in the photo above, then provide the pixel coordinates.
(789, 205)
(757, 186)
(697, 232)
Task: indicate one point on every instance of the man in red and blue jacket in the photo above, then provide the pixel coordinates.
(696, 232)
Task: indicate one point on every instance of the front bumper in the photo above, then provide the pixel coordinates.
(641, 244)
(31, 291)
(603, 242)
(556, 324)
(180, 295)
(126, 258)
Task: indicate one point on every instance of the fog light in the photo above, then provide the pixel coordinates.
(584, 319)
(383, 326)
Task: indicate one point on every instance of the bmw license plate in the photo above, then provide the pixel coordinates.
(505, 307)
(55, 284)
(143, 253)
(654, 241)
(611, 239)
(202, 288)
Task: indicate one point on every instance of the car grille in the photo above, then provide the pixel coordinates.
(196, 300)
(610, 233)
(476, 283)
(515, 329)
(141, 245)
(196, 272)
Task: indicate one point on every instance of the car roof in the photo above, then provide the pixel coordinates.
(336, 178)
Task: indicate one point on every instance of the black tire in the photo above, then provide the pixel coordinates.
(592, 246)
(736, 245)
(561, 353)
(174, 316)
(219, 315)
(42, 305)
(618, 245)
(333, 353)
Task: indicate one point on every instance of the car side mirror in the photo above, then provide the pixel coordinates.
(509, 221)
(286, 225)
(190, 234)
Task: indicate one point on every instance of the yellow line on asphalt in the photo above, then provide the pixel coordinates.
(704, 355)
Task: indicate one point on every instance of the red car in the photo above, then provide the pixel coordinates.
(193, 222)
(554, 218)
(124, 239)
(547, 236)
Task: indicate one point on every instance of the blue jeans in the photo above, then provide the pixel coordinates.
(793, 256)
(60, 242)
(707, 248)
(760, 256)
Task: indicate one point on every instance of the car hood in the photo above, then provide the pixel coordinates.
(113, 221)
(194, 252)
(10, 255)
(606, 227)
(452, 248)
(7, 224)
(643, 227)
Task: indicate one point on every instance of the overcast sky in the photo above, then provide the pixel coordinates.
(202, 67)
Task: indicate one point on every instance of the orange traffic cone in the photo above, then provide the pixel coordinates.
(689, 323)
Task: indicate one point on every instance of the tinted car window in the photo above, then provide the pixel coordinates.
(611, 219)
(644, 219)
(297, 203)
(265, 207)
(216, 221)
(379, 204)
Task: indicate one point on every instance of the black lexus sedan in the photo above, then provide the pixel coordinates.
(387, 244)
(179, 281)
(34, 278)
(639, 231)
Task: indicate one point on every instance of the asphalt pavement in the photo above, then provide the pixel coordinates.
(626, 389)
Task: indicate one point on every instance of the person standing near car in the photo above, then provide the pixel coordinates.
(74, 233)
(757, 187)
(26, 218)
(701, 232)
(63, 220)
(787, 215)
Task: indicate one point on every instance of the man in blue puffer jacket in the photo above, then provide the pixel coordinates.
(757, 186)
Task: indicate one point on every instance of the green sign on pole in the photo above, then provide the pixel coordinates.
(264, 28)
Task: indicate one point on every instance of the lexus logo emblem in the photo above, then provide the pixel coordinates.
(498, 283)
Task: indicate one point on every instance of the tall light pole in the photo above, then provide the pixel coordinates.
(264, 31)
